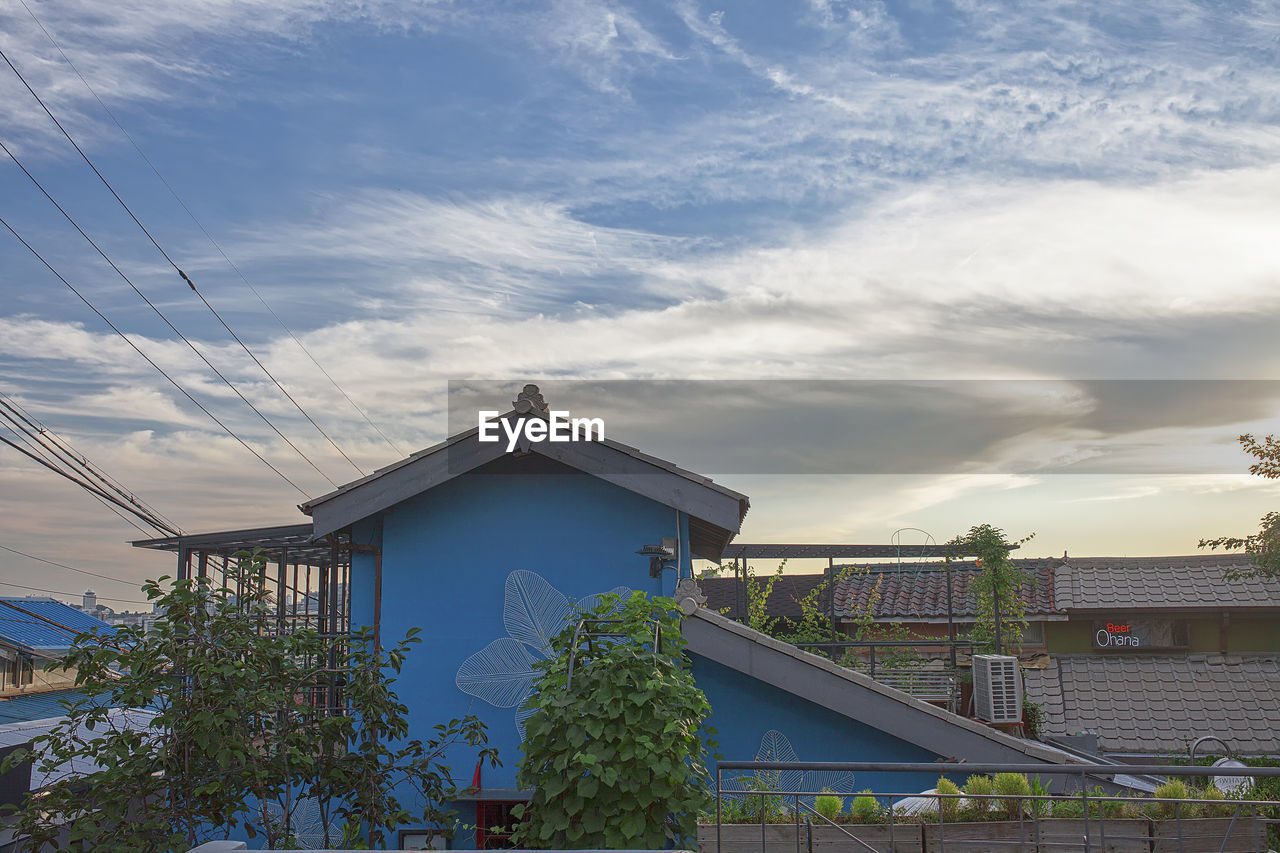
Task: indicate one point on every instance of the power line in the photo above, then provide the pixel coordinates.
(40, 449)
(65, 566)
(94, 490)
(161, 315)
(72, 594)
(204, 230)
(178, 269)
(63, 450)
(161, 370)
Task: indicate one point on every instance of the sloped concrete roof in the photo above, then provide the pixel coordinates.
(854, 695)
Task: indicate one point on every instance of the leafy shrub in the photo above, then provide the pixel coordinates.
(979, 788)
(828, 805)
(950, 806)
(1011, 785)
(615, 761)
(865, 808)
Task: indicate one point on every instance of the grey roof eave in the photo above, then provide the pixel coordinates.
(854, 695)
(608, 460)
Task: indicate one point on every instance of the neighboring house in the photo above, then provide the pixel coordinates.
(1145, 653)
(1158, 651)
(35, 632)
(485, 551)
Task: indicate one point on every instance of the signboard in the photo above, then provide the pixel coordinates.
(1121, 634)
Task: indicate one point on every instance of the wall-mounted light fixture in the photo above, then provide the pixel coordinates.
(659, 556)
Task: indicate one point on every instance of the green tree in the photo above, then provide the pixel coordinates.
(616, 755)
(1263, 546)
(998, 586)
(212, 722)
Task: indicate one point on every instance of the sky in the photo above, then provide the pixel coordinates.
(1069, 201)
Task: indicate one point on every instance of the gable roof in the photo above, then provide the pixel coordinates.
(715, 512)
(1193, 582)
(43, 624)
(1157, 704)
(854, 695)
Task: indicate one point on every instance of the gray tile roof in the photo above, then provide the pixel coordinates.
(1096, 583)
(919, 590)
(1157, 704)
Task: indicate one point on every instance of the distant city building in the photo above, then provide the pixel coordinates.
(90, 601)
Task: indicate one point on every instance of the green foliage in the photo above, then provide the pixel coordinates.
(949, 805)
(828, 805)
(866, 808)
(615, 759)
(979, 789)
(1098, 806)
(758, 599)
(1211, 809)
(233, 724)
(1264, 546)
(1010, 785)
(999, 579)
(1035, 717)
(1039, 807)
(1174, 789)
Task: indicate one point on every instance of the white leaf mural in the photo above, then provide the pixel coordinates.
(501, 673)
(533, 612)
(775, 746)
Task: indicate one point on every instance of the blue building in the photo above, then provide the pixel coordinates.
(485, 551)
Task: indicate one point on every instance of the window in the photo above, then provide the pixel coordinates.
(1034, 634)
(494, 823)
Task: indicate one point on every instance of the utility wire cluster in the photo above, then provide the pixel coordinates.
(45, 448)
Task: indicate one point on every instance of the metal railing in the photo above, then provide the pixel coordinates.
(1075, 818)
(933, 685)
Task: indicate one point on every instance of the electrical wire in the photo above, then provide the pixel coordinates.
(62, 450)
(172, 263)
(205, 231)
(72, 594)
(65, 566)
(43, 432)
(58, 459)
(40, 449)
(161, 370)
(79, 482)
(161, 315)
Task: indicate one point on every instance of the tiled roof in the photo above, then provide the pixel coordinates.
(1158, 704)
(1087, 583)
(29, 631)
(37, 706)
(784, 599)
(920, 590)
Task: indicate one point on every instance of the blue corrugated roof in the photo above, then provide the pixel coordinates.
(27, 631)
(37, 706)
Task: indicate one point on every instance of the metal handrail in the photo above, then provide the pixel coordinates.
(1084, 772)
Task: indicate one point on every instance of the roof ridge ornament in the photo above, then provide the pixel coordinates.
(530, 400)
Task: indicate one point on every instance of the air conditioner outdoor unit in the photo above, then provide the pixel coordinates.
(997, 688)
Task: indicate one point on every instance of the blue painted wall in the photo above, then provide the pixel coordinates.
(744, 709)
